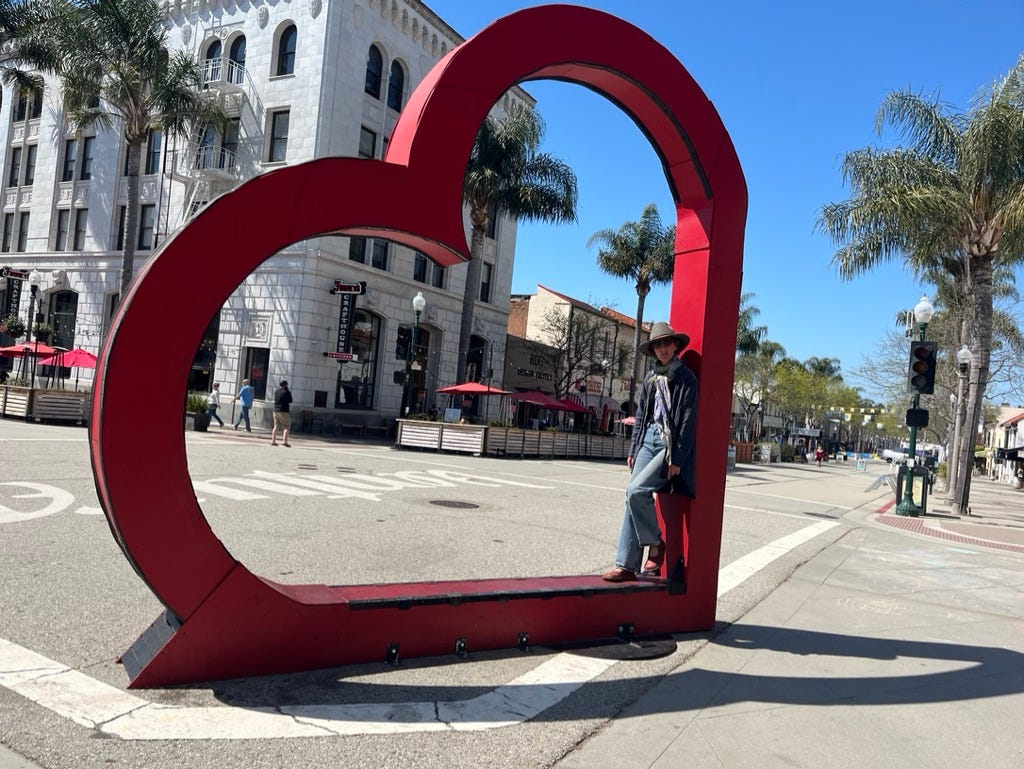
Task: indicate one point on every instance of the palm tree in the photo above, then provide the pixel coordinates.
(643, 252)
(116, 71)
(506, 174)
(748, 336)
(825, 367)
(956, 192)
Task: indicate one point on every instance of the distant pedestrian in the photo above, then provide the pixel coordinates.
(214, 401)
(282, 413)
(246, 396)
(819, 454)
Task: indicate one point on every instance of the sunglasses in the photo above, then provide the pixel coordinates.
(662, 343)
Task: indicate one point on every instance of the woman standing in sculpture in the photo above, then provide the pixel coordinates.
(661, 454)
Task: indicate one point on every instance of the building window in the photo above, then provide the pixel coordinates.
(70, 150)
(236, 60)
(367, 143)
(151, 162)
(8, 232)
(30, 164)
(229, 141)
(14, 174)
(396, 86)
(63, 314)
(486, 275)
(86, 172)
(22, 231)
(492, 222)
(374, 71)
(122, 215)
(30, 106)
(278, 136)
(357, 379)
(286, 51)
(81, 217)
(357, 250)
(147, 226)
(63, 223)
(426, 271)
(419, 268)
(212, 63)
(380, 255)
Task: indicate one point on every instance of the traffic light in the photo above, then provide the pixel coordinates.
(921, 377)
(402, 342)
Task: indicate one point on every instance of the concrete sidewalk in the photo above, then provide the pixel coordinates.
(898, 646)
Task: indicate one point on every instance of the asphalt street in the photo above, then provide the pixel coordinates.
(336, 513)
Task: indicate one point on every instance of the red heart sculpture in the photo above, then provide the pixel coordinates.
(224, 621)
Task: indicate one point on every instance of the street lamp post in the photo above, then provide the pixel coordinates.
(963, 360)
(418, 303)
(34, 280)
(923, 313)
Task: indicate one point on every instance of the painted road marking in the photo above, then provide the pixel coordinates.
(744, 568)
(56, 500)
(99, 706)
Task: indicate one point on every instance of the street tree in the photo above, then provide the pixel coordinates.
(644, 253)
(756, 380)
(116, 73)
(573, 345)
(748, 336)
(954, 192)
(508, 175)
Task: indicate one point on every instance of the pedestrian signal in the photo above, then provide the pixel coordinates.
(921, 377)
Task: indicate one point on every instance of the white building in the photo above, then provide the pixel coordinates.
(300, 80)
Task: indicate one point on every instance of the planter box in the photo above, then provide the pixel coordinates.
(468, 439)
(15, 401)
(419, 435)
(60, 406)
(198, 422)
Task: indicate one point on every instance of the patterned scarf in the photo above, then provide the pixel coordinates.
(660, 379)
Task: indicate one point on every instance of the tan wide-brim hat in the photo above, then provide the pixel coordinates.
(662, 330)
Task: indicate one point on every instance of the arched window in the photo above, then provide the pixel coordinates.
(236, 60)
(396, 86)
(374, 71)
(286, 50)
(357, 379)
(212, 62)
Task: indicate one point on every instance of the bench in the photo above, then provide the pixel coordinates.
(380, 427)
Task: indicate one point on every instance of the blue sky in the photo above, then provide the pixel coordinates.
(797, 84)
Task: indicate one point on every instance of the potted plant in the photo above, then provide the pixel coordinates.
(43, 332)
(197, 413)
(13, 326)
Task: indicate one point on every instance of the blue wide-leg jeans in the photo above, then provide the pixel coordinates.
(640, 522)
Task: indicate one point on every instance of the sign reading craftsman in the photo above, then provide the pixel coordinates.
(346, 316)
(12, 299)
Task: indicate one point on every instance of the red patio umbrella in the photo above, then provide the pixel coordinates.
(29, 350)
(472, 388)
(540, 399)
(71, 358)
(568, 405)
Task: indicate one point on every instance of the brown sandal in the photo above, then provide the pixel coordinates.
(655, 557)
(619, 574)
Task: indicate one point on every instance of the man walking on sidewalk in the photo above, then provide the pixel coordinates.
(245, 395)
(282, 413)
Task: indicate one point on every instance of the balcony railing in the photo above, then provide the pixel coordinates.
(215, 161)
(223, 73)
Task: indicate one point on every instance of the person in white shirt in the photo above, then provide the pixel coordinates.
(214, 403)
